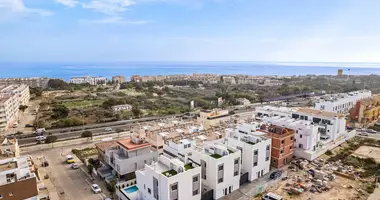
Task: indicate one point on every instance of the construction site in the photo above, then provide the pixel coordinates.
(345, 173)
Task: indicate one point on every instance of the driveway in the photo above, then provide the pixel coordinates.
(70, 183)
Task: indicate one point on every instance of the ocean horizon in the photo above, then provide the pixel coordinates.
(67, 70)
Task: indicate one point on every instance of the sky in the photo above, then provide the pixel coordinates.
(189, 30)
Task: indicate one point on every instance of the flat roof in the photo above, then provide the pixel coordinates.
(127, 143)
(319, 112)
(8, 166)
(103, 145)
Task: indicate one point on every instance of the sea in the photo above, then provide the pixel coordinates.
(65, 70)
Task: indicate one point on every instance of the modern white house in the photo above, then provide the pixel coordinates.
(331, 125)
(255, 151)
(123, 159)
(167, 178)
(341, 103)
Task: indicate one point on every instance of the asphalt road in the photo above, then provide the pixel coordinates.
(74, 183)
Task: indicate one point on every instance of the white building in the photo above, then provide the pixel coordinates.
(9, 109)
(169, 179)
(119, 108)
(95, 80)
(21, 91)
(9, 147)
(332, 125)
(243, 101)
(220, 164)
(341, 103)
(126, 157)
(255, 151)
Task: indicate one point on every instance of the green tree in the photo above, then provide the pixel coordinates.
(60, 111)
(90, 168)
(112, 187)
(51, 139)
(86, 134)
(58, 84)
(136, 111)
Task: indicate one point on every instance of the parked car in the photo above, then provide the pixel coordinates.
(71, 161)
(29, 126)
(40, 138)
(95, 188)
(108, 129)
(74, 166)
(371, 131)
(363, 134)
(271, 196)
(275, 175)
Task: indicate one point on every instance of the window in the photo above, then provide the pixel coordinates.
(236, 173)
(220, 167)
(301, 136)
(195, 192)
(300, 145)
(282, 141)
(149, 191)
(290, 147)
(144, 187)
(282, 151)
(220, 180)
(195, 178)
(291, 138)
(236, 161)
(1, 196)
(255, 164)
(175, 187)
(11, 194)
(256, 152)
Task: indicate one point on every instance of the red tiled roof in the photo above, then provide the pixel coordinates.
(126, 143)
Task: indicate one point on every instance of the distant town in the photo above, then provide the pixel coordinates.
(196, 137)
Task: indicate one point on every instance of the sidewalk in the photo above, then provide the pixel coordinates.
(52, 192)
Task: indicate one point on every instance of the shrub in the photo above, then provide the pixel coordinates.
(329, 153)
(86, 134)
(51, 139)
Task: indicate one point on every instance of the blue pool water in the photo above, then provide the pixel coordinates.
(131, 189)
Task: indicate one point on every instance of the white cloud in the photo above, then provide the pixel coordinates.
(15, 8)
(69, 3)
(115, 20)
(109, 7)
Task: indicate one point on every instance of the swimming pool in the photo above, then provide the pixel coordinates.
(131, 189)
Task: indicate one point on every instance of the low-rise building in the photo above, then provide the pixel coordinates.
(229, 80)
(17, 181)
(209, 118)
(282, 144)
(243, 101)
(255, 150)
(118, 79)
(119, 108)
(92, 80)
(168, 178)
(101, 148)
(9, 147)
(341, 103)
(126, 157)
(366, 110)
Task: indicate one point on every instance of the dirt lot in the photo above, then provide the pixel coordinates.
(368, 152)
(339, 189)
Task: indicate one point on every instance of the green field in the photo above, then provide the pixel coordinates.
(83, 103)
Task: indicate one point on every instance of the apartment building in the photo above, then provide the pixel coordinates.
(333, 125)
(33, 82)
(17, 181)
(341, 103)
(210, 118)
(366, 110)
(282, 144)
(229, 80)
(9, 107)
(21, 91)
(126, 157)
(92, 80)
(255, 150)
(169, 179)
(119, 79)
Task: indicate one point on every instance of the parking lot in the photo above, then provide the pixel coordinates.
(70, 183)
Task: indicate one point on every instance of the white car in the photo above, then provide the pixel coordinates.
(363, 134)
(371, 131)
(95, 188)
(40, 138)
(108, 129)
(75, 166)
